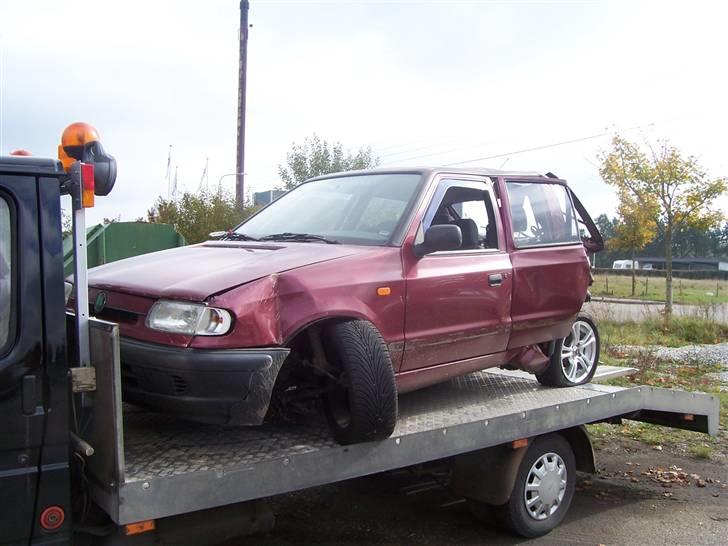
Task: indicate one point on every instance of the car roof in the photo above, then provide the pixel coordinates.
(477, 171)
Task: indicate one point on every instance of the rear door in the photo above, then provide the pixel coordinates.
(21, 370)
(33, 369)
(550, 266)
(458, 302)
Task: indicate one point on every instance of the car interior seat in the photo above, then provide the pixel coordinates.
(469, 229)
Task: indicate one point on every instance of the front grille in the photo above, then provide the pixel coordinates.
(115, 315)
(179, 384)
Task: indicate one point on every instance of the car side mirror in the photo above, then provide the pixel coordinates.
(440, 237)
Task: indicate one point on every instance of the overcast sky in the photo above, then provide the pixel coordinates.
(421, 82)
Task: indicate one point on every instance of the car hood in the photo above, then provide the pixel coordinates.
(200, 271)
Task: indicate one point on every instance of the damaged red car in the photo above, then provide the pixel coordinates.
(355, 287)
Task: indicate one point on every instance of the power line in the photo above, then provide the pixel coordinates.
(419, 148)
(542, 147)
(441, 152)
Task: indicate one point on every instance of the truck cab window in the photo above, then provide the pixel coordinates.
(471, 210)
(542, 214)
(5, 274)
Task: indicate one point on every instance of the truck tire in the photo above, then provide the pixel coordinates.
(538, 504)
(362, 406)
(575, 358)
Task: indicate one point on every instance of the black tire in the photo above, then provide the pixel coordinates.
(363, 406)
(556, 375)
(514, 514)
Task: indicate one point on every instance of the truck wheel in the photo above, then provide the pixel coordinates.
(575, 357)
(362, 405)
(543, 489)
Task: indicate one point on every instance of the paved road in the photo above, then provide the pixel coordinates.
(614, 310)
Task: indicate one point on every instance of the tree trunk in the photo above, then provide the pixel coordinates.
(668, 271)
(634, 273)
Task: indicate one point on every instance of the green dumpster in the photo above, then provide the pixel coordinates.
(118, 240)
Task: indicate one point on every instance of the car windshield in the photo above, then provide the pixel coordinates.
(361, 209)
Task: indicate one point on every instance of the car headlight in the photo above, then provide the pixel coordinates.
(68, 288)
(193, 319)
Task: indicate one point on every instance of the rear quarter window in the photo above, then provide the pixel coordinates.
(6, 268)
(541, 214)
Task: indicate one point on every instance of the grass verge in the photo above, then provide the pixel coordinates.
(687, 291)
(693, 375)
(654, 331)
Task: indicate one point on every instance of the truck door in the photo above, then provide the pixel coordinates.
(33, 471)
(550, 267)
(458, 302)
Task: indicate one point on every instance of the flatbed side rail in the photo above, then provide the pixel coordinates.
(163, 474)
(159, 497)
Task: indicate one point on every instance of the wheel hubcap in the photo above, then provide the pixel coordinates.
(578, 352)
(545, 486)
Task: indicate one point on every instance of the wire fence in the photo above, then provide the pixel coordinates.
(691, 287)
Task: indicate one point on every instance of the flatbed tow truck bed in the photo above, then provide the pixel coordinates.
(160, 466)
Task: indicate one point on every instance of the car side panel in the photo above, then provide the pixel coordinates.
(549, 286)
(270, 311)
(452, 311)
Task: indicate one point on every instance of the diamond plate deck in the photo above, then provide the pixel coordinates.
(161, 466)
(161, 446)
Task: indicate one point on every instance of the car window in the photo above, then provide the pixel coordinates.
(380, 215)
(361, 209)
(541, 214)
(470, 208)
(6, 267)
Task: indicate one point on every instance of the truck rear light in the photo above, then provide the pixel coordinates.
(52, 518)
(139, 527)
(88, 185)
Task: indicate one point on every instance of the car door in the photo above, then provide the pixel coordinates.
(550, 266)
(458, 302)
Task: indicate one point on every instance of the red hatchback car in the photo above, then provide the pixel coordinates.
(355, 287)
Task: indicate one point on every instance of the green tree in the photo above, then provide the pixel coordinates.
(674, 186)
(316, 157)
(635, 227)
(196, 215)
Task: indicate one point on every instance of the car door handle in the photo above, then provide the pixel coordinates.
(495, 279)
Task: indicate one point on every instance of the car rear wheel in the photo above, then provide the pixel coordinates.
(575, 358)
(361, 405)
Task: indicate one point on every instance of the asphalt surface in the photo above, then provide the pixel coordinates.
(622, 504)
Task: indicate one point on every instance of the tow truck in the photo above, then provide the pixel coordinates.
(79, 466)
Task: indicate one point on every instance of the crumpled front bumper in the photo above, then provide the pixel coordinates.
(230, 386)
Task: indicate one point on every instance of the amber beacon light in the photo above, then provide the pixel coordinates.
(80, 142)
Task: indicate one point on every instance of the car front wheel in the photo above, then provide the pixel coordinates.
(361, 405)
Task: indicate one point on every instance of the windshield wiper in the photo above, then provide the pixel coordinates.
(232, 236)
(298, 237)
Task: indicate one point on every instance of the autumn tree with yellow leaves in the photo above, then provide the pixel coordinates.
(661, 184)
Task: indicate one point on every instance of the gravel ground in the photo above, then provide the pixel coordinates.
(709, 354)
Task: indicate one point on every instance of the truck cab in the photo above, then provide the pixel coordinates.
(34, 444)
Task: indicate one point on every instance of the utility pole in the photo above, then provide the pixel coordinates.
(242, 77)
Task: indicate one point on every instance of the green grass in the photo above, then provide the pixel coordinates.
(701, 451)
(689, 291)
(654, 331)
(690, 376)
